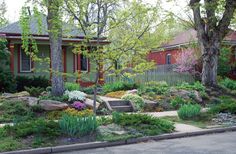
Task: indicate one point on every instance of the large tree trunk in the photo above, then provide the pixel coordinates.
(55, 37)
(210, 63)
(210, 32)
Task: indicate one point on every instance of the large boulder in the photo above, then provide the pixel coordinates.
(149, 103)
(50, 105)
(31, 101)
(185, 94)
(15, 95)
(134, 91)
(89, 103)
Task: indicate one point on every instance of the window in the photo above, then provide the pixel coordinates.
(25, 62)
(168, 59)
(84, 63)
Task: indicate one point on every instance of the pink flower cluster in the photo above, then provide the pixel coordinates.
(79, 105)
(186, 61)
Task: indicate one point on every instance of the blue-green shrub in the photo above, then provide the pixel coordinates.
(228, 83)
(227, 104)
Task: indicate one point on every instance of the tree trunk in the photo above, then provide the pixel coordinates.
(55, 39)
(95, 92)
(210, 63)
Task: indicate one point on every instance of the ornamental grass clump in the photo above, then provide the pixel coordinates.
(77, 126)
(189, 111)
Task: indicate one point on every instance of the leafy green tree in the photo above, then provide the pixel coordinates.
(3, 10)
(7, 82)
(132, 34)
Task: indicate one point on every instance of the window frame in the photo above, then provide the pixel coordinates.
(87, 66)
(23, 71)
(168, 59)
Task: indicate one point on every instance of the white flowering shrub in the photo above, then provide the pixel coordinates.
(75, 95)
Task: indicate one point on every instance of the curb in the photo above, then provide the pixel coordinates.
(93, 145)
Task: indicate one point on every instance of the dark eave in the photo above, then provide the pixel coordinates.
(15, 36)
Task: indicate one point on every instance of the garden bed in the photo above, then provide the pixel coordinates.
(70, 129)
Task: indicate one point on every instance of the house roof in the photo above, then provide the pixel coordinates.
(15, 28)
(190, 36)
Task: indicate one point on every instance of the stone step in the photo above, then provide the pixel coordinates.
(125, 108)
(119, 103)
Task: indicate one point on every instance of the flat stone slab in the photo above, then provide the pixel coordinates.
(89, 103)
(186, 128)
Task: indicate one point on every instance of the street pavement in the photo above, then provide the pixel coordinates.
(222, 143)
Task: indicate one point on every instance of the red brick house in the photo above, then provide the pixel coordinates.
(168, 52)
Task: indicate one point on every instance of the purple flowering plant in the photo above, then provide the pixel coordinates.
(79, 105)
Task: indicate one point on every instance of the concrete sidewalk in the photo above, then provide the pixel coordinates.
(179, 127)
(162, 114)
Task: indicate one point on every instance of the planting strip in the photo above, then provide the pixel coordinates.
(93, 145)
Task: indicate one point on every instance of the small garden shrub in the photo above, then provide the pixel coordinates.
(189, 111)
(145, 124)
(195, 86)
(116, 94)
(154, 88)
(76, 95)
(35, 81)
(11, 110)
(227, 104)
(156, 84)
(10, 144)
(7, 81)
(77, 126)
(54, 115)
(63, 98)
(117, 86)
(177, 102)
(39, 127)
(88, 90)
(228, 83)
(37, 108)
(34, 91)
(137, 100)
(72, 86)
(74, 112)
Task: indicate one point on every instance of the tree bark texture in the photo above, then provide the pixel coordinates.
(55, 39)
